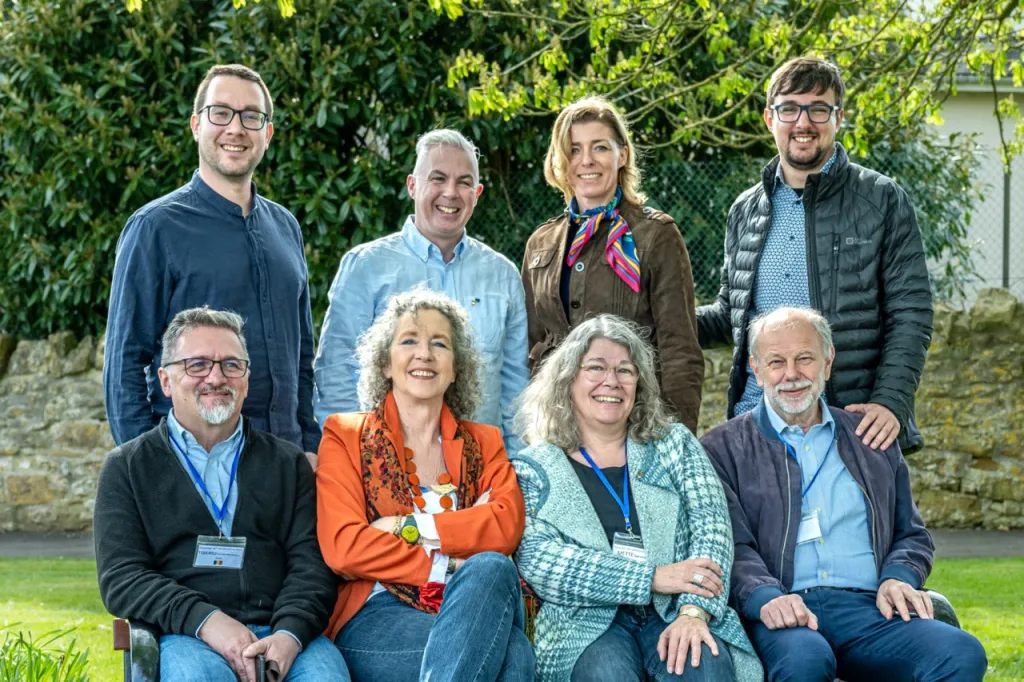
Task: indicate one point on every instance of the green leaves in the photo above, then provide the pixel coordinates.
(701, 69)
(95, 103)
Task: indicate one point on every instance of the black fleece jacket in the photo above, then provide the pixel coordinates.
(149, 513)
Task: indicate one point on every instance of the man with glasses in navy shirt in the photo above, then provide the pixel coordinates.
(215, 242)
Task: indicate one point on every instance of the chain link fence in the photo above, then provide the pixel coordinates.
(698, 196)
(997, 226)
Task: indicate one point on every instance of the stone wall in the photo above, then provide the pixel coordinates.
(970, 407)
(53, 432)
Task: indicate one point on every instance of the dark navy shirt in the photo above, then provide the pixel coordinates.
(192, 247)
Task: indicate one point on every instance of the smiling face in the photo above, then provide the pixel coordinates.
(803, 144)
(792, 368)
(594, 162)
(213, 399)
(603, 399)
(231, 153)
(422, 357)
(445, 190)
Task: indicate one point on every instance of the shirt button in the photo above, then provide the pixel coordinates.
(821, 541)
(579, 267)
(575, 305)
(825, 574)
(535, 262)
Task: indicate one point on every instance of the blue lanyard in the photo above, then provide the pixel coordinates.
(623, 501)
(218, 512)
(790, 450)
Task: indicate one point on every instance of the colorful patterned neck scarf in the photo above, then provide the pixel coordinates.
(386, 488)
(620, 250)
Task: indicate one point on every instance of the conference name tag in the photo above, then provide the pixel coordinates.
(809, 530)
(629, 546)
(219, 552)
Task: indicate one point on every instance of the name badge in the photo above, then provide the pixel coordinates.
(629, 546)
(809, 530)
(219, 552)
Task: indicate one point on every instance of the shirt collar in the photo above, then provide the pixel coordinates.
(219, 202)
(780, 425)
(185, 437)
(824, 169)
(422, 246)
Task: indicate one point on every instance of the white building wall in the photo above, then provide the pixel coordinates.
(971, 111)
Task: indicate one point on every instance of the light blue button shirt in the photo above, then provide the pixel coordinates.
(782, 270)
(842, 556)
(213, 466)
(485, 282)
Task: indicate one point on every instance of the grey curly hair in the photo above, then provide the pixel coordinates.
(374, 351)
(546, 413)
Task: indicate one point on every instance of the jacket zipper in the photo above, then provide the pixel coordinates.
(813, 285)
(835, 272)
(789, 510)
(871, 510)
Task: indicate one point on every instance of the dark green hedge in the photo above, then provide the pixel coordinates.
(94, 109)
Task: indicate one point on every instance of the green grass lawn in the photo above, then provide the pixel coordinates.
(48, 594)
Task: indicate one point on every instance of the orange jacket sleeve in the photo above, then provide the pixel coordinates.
(349, 545)
(496, 526)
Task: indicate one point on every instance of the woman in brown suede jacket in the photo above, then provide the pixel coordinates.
(608, 253)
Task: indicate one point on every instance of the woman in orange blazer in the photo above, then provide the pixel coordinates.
(418, 510)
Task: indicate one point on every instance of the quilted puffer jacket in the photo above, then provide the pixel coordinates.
(867, 275)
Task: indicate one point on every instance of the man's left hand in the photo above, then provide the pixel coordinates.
(280, 647)
(898, 595)
(879, 425)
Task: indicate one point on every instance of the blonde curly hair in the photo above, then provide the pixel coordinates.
(374, 351)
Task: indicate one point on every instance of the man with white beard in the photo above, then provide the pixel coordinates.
(830, 550)
(205, 526)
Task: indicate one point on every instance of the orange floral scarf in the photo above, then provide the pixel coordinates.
(384, 482)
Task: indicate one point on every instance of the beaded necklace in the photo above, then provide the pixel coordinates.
(444, 486)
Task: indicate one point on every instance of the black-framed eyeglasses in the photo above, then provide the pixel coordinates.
(816, 113)
(220, 115)
(201, 367)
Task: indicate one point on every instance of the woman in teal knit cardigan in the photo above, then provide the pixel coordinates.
(628, 543)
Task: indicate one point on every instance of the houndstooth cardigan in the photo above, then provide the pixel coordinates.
(565, 557)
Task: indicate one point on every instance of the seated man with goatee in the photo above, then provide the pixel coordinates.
(831, 553)
(206, 527)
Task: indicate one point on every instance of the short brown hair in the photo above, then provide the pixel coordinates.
(806, 74)
(238, 71)
(556, 163)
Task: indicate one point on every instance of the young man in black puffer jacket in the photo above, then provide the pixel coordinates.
(821, 232)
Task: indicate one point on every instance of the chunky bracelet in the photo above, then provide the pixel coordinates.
(398, 525)
(692, 612)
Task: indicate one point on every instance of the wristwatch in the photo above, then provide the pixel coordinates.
(693, 612)
(410, 531)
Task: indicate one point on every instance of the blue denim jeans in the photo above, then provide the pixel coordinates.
(188, 659)
(628, 652)
(476, 637)
(855, 642)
